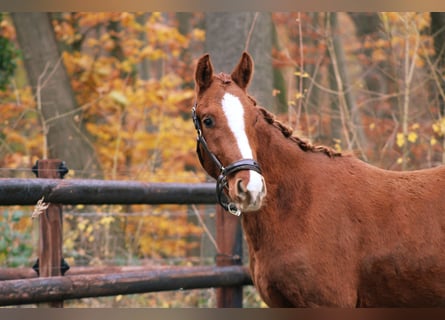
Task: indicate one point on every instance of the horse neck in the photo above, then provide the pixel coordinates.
(282, 163)
(281, 159)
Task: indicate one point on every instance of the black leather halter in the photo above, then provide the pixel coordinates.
(222, 185)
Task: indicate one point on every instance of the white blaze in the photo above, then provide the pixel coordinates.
(234, 112)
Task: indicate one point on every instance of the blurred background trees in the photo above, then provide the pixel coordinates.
(105, 90)
(64, 135)
(111, 93)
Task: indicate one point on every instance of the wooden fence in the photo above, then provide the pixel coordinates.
(52, 286)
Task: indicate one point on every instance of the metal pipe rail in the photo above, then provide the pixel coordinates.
(27, 291)
(96, 192)
(227, 276)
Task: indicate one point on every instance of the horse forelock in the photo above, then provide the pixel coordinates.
(288, 133)
(224, 77)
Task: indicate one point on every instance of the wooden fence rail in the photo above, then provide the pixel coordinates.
(228, 274)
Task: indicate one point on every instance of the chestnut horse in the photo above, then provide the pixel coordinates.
(322, 228)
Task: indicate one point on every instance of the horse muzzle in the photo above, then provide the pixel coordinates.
(248, 190)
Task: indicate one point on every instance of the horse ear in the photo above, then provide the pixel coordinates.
(203, 73)
(242, 74)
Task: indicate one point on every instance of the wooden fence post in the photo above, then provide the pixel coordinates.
(229, 239)
(50, 261)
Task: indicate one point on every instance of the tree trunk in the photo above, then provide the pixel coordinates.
(438, 33)
(66, 138)
(367, 26)
(438, 89)
(349, 126)
(226, 37)
(378, 76)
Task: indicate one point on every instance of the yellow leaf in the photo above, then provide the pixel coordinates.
(199, 34)
(337, 145)
(81, 225)
(419, 63)
(301, 74)
(412, 137)
(442, 125)
(433, 141)
(299, 95)
(119, 97)
(379, 55)
(89, 229)
(106, 221)
(127, 66)
(439, 127)
(400, 140)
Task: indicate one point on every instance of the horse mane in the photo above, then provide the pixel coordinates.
(287, 132)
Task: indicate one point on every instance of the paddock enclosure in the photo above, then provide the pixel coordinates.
(45, 283)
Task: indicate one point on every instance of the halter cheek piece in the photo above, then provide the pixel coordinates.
(222, 185)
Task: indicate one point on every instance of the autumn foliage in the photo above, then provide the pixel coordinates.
(388, 109)
(135, 106)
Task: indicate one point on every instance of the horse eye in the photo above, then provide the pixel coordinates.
(208, 122)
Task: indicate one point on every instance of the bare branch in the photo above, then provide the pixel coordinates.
(206, 230)
(249, 35)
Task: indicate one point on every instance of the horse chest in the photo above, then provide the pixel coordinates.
(293, 280)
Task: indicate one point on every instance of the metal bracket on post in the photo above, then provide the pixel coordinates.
(62, 169)
(64, 267)
(35, 169)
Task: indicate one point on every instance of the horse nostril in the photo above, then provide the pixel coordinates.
(240, 189)
(263, 189)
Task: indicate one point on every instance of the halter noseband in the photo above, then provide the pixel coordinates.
(221, 182)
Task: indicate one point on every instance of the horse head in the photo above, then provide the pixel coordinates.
(225, 118)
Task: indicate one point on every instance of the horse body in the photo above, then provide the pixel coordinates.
(341, 230)
(332, 230)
